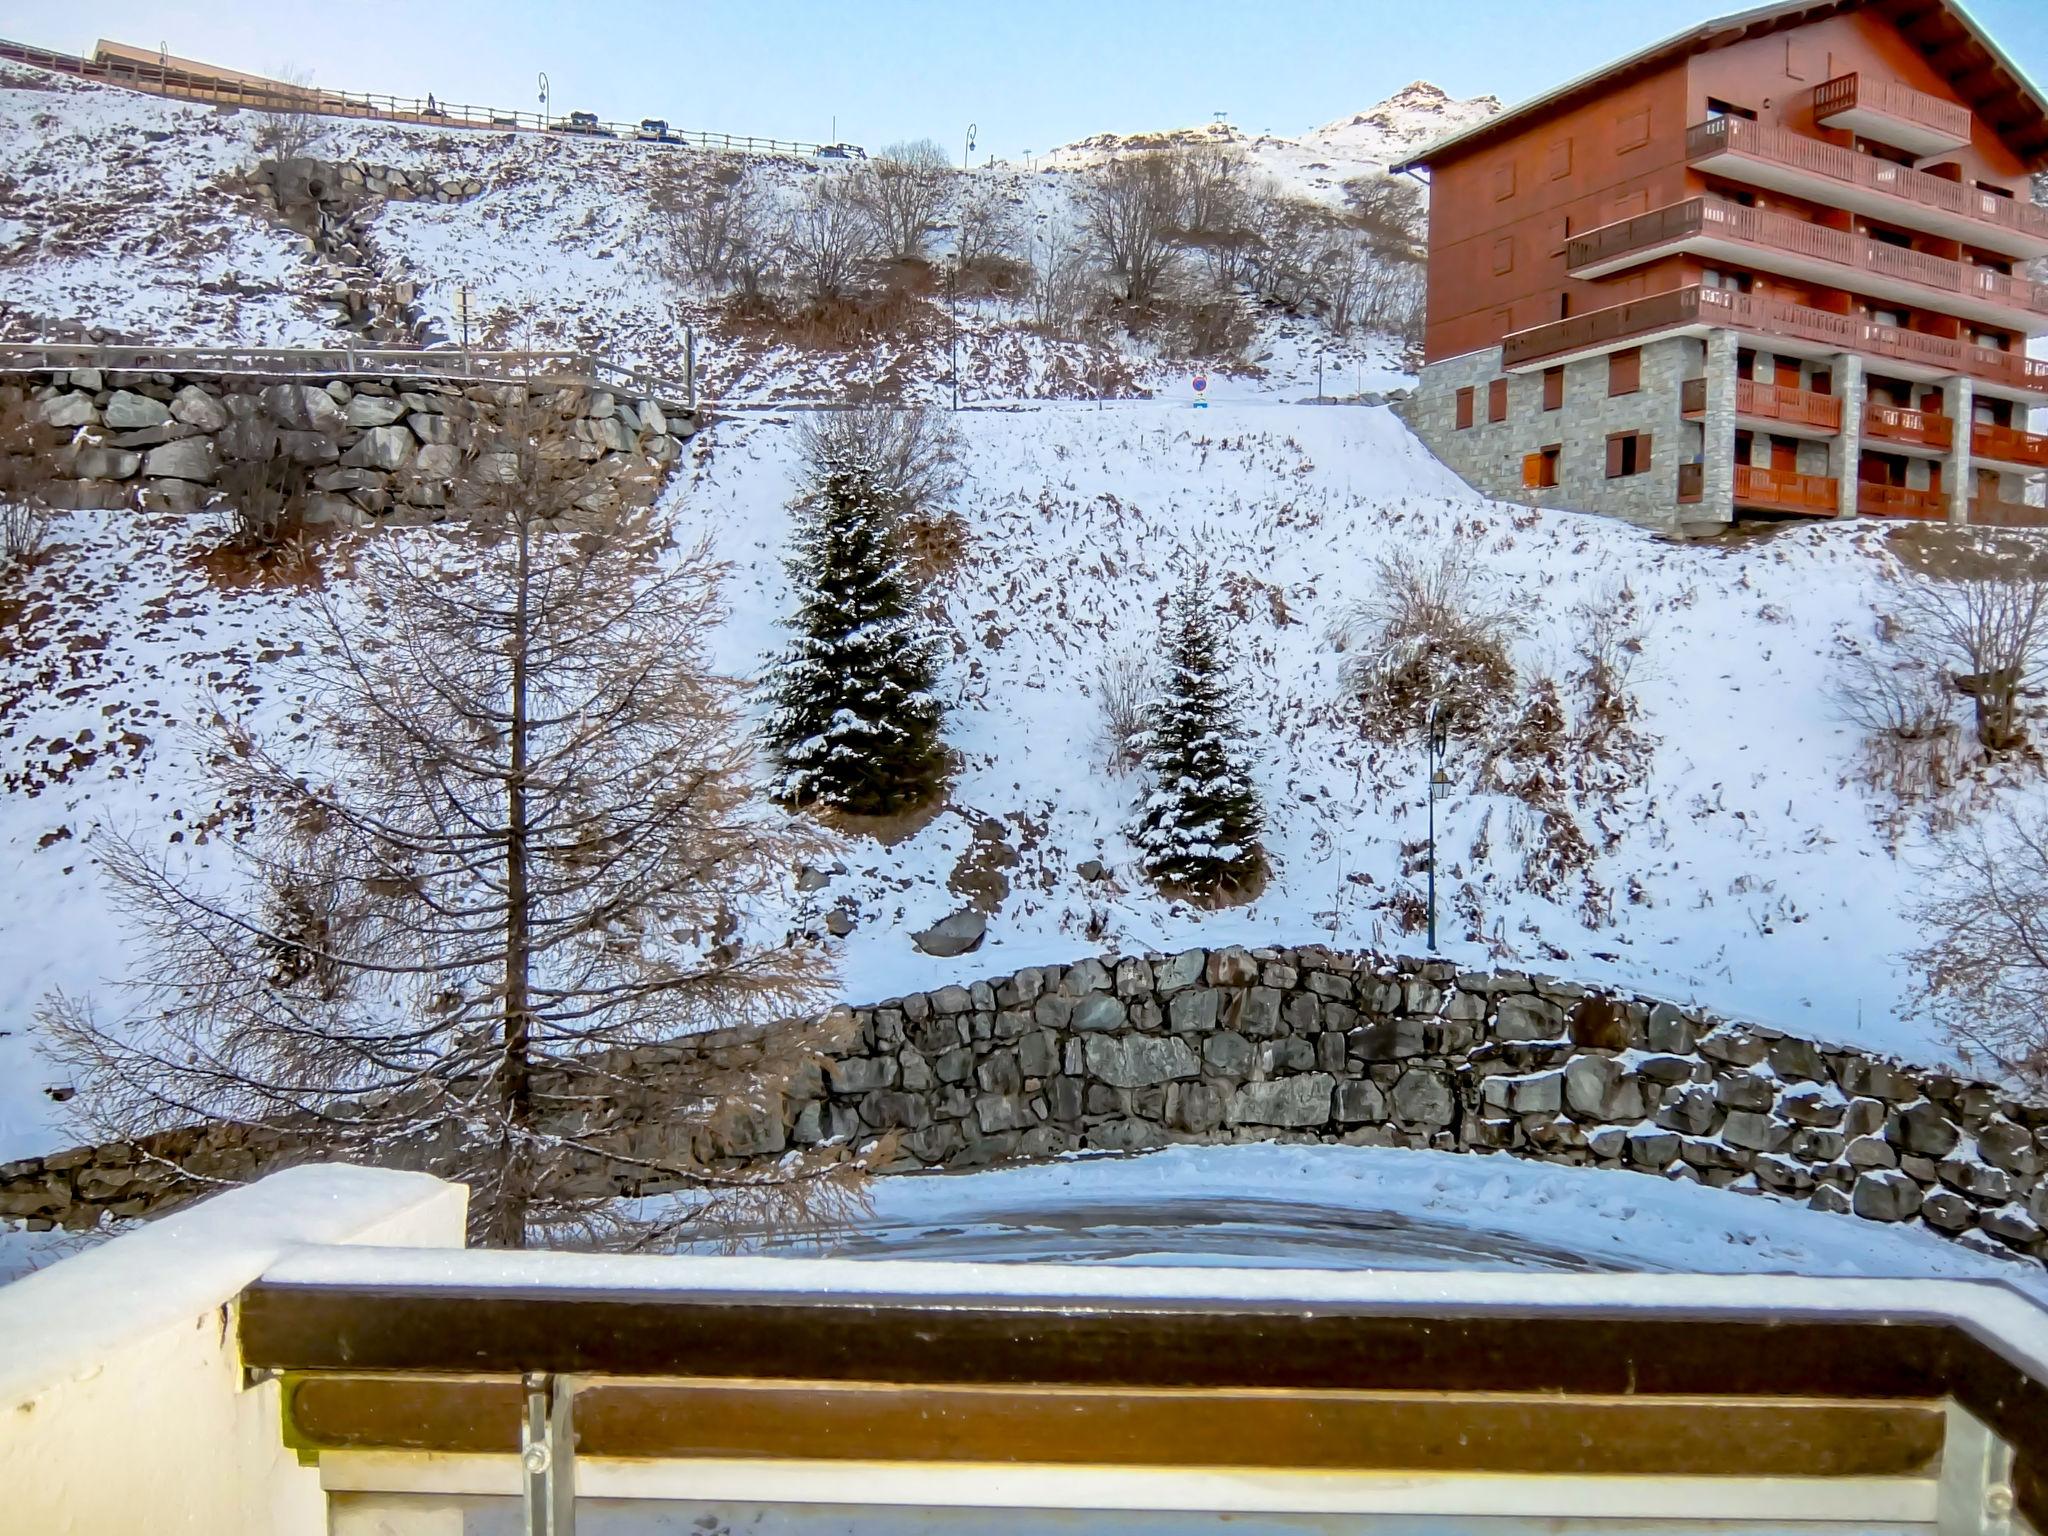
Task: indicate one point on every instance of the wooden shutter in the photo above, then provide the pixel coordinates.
(1624, 372)
(1614, 455)
(1642, 452)
(1497, 400)
(1464, 408)
(1532, 469)
(1553, 389)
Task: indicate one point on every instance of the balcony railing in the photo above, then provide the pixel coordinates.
(1901, 501)
(2010, 445)
(1900, 424)
(1780, 490)
(1797, 152)
(1991, 512)
(1873, 94)
(1717, 219)
(1682, 308)
(1772, 402)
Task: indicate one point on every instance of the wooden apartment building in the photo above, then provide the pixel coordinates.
(1774, 266)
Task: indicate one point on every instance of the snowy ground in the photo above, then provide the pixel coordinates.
(1292, 1207)
(1735, 860)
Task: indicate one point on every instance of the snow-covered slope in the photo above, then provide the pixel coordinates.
(1315, 164)
(1726, 856)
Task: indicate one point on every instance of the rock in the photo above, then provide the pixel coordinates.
(1181, 970)
(1692, 1113)
(1360, 1103)
(127, 411)
(1138, 1061)
(839, 922)
(1090, 869)
(1291, 1101)
(1795, 1059)
(960, 933)
(1745, 1090)
(1652, 1149)
(1232, 967)
(1980, 1181)
(1424, 1097)
(1921, 1128)
(1948, 1210)
(1099, 1011)
(1393, 1039)
(196, 408)
(652, 420)
(1871, 1152)
(104, 463)
(303, 408)
(1831, 1198)
(1529, 1018)
(1885, 1196)
(87, 379)
(2005, 1145)
(190, 458)
(1753, 1132)
(1735, 1047)
(1665, 1069)
(860, 1074)
(1193, 1010)
(2011, 1224)
(385, 448)
(1539, 1094)
(437, 431)
(248, 437)
(438, 461)
(68, 411)
(1812, 1105)
(1227, 1053)
(308, 447)
(1597, 1088)
(1670, 1031)
(370, 411)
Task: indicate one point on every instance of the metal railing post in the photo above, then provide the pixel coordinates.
(547, 1455)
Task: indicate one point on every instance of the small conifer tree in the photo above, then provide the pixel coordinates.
(1201, 823)
(857, 718)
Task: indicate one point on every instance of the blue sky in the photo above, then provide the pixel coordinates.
(1031, 73)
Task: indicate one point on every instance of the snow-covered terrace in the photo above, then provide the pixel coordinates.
(319, 1352)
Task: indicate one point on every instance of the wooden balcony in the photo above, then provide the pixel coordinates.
(1901, 501)
(1777, 242)
(2009, 445)
(1907, 427)
(1990, 512)
(1841, 178)
(1793, 328)
(1889, 112)
(1777, 490)
(1803, 410)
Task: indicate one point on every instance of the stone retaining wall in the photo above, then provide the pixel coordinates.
(375, 449)
(1305, 1045)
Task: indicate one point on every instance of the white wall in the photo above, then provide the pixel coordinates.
(122, 1408)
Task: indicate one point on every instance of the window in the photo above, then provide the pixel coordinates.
(1798, 59)
(1624, 372)
(1560, 159)
(1464, 407)
(1504, 180)
(1728, 282)
(1504, 254)
(1895, 318)
(1716, 107)
(1628, 453)
(1539, 469)
(1564, 306)
(1995, 340)
(1632, 130)
(1553, 389)
(1497, 400)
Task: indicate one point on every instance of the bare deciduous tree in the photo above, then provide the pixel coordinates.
(903, 192)
(1990, 631)
(530, 845)
(286, 125)
(1388, 211)
(1062, 282)
(27, 466)
(1124, 693)
(1426, 635)
(714, 233)
(1133, 208)
(828, 241)
(1982, 962)
(986, 230)
(910, 453)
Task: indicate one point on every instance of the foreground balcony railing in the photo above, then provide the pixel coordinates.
(1765, 401)
(1778, 241)
(1793, 162)
(1781, 490)
(1901, 501)
(1697, 308)
(2009, 445)
(1902, 424)
(1891, 112)
(1995, 512)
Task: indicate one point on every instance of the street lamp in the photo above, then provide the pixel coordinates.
(543, 98)
(1439, 740)
(972, 129)
(953, 326)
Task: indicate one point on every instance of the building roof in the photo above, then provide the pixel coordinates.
(1995, 87)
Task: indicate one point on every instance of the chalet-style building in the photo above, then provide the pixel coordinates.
(1773, 266)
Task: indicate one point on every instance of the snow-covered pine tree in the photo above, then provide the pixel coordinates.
(1201, 824)
(857, 718)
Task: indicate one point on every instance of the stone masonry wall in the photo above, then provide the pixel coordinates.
(1126, 1053)
(375, 449)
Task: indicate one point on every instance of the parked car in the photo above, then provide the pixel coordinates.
(654, 130)
(581, 122)
(841, 152)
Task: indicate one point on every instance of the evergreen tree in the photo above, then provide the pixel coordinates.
(856, 723)
(1200, 829)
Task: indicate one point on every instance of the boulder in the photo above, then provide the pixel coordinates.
(1652, 1149)
(1923, 1129)
(1139, 1061)
(433, 429)
(308, 447)
(1423, 1097)
(1290, 1101)
(1529, 1018)
(127, 410)
(196, 408)
(2011, 1224)
(384, 448)
(303, 407)
(190, 458)
(370, 411)
(1754, 1132)
(105, 463)
(2005, 1145)
(68, 411)
(652, 419)
(1670, 1031)
(438, 461)
(1885, 1196)
(1597, 1088)
(88, 379)
(960, 933)
(1098, 1012)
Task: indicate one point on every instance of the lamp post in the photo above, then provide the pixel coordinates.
(1439, 734)
(543, 98)
(953, 326)
(972, 129)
